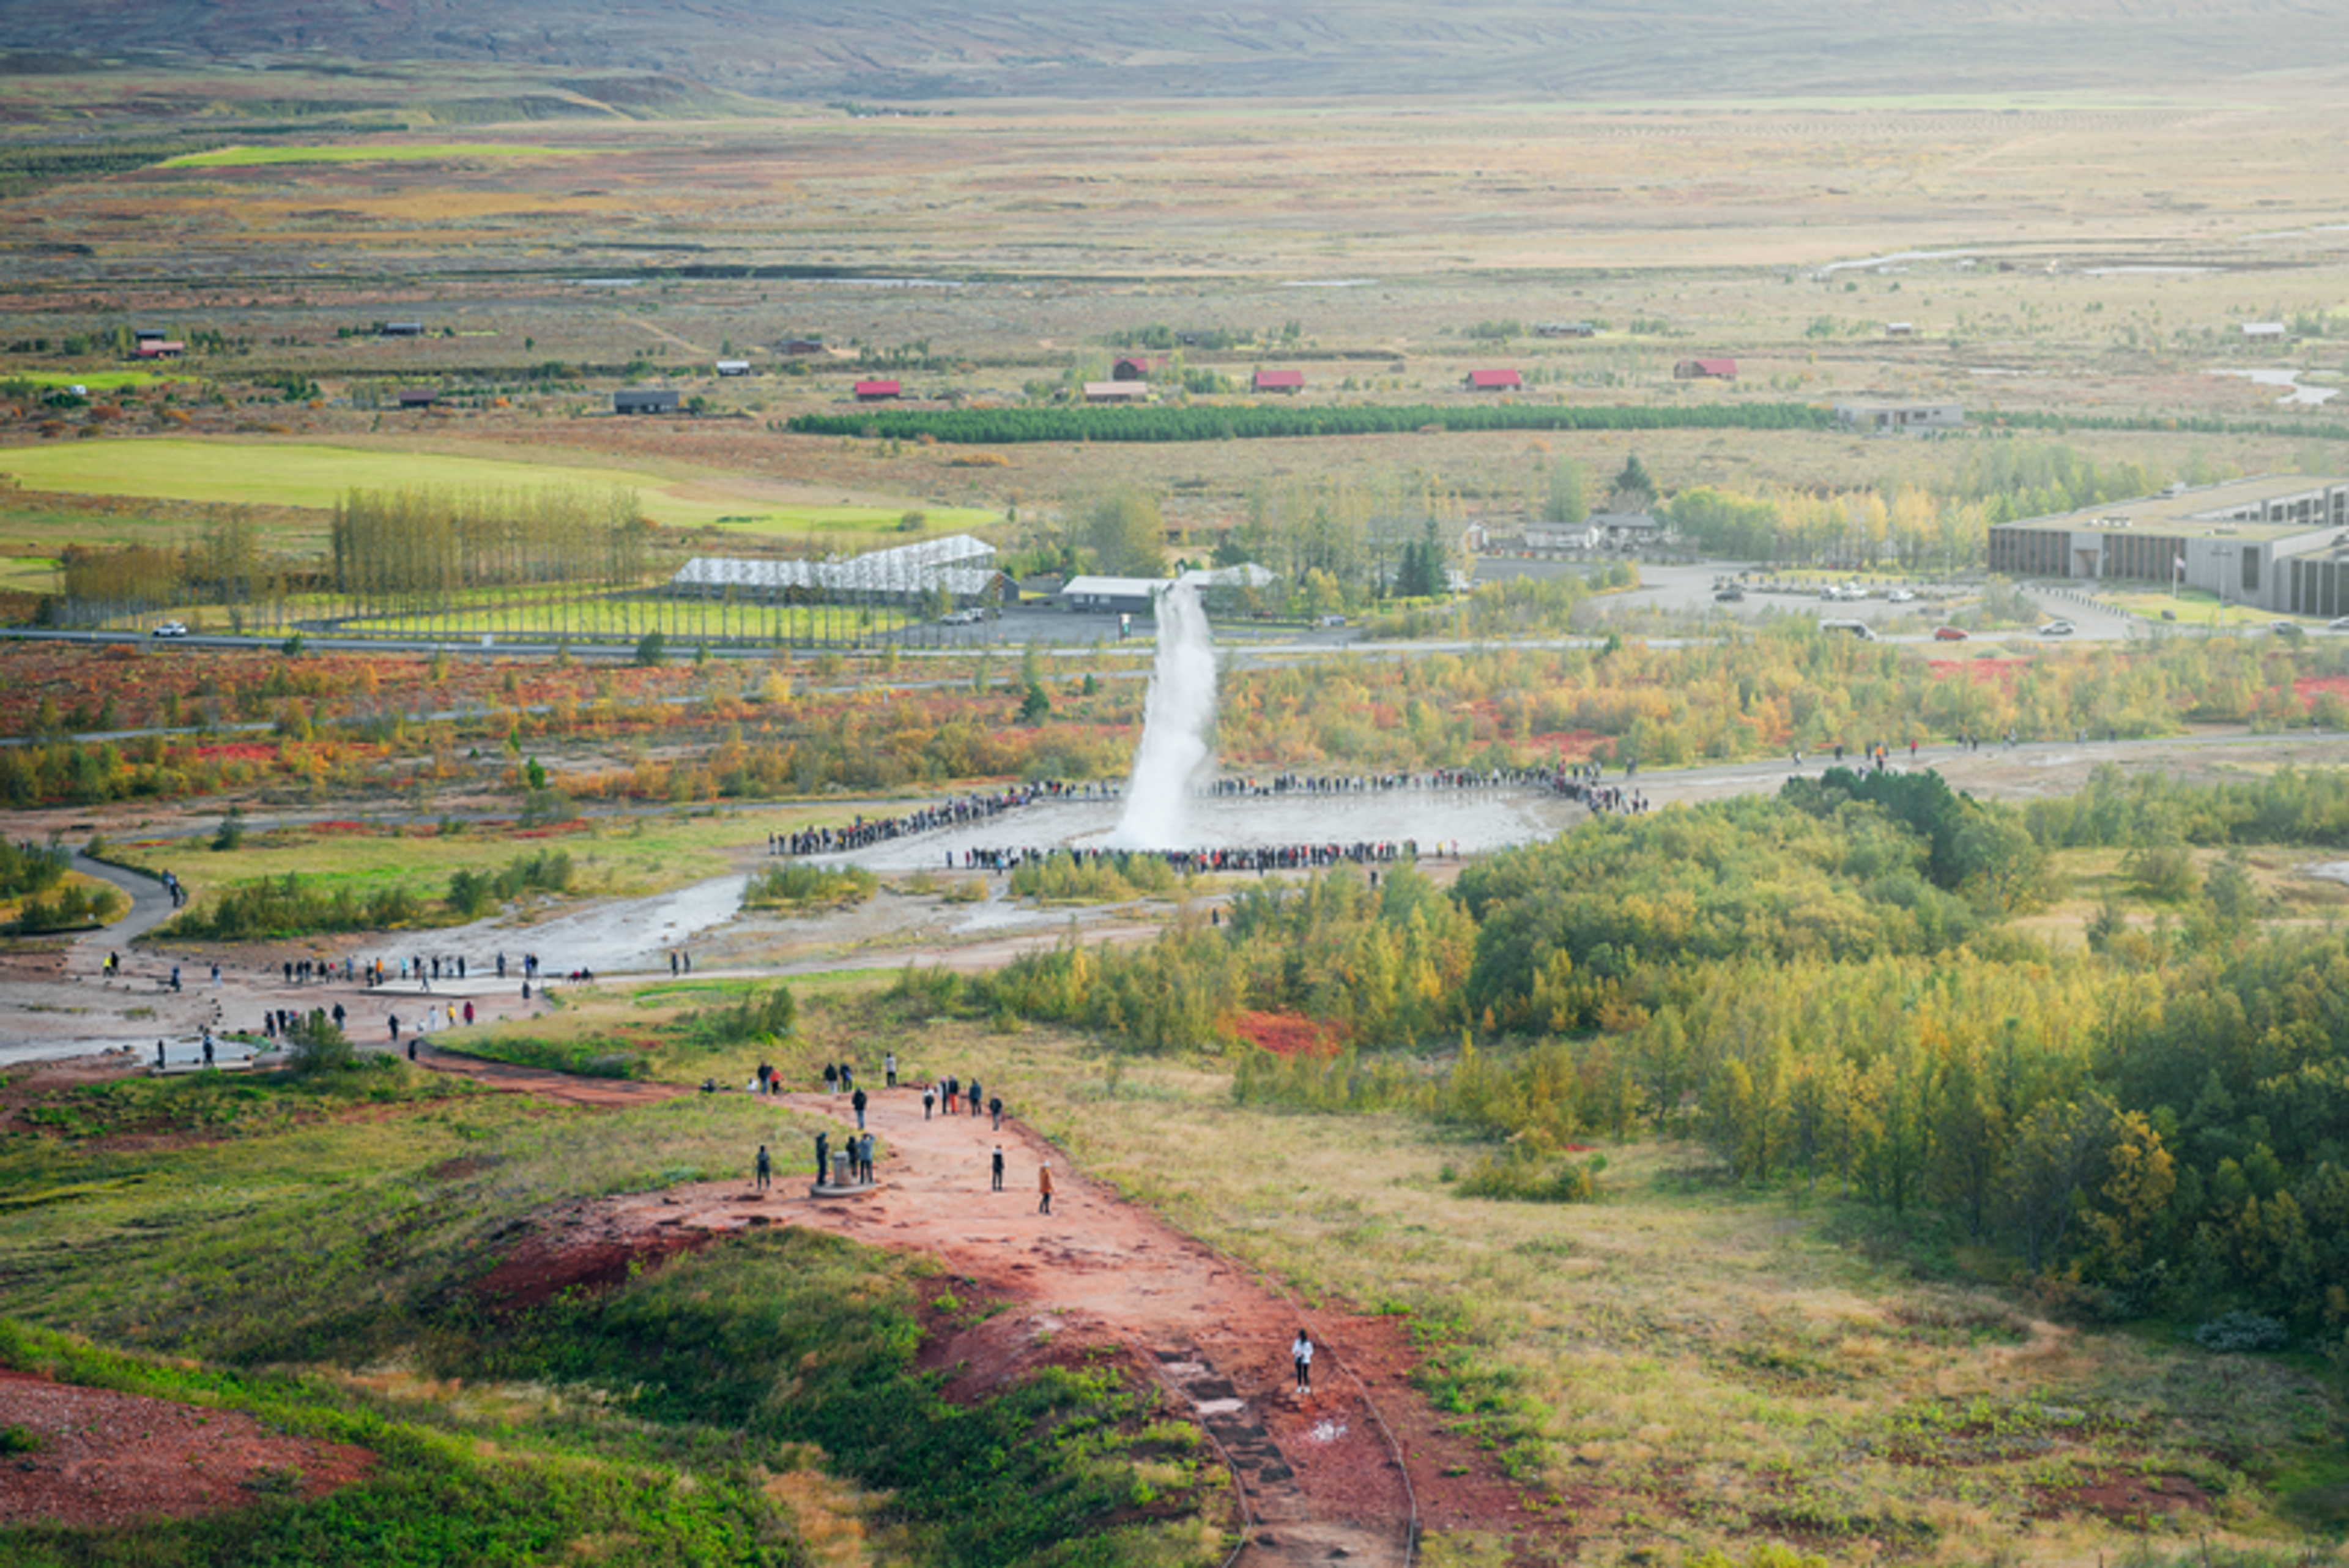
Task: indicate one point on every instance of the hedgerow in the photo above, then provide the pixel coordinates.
(1189, 423)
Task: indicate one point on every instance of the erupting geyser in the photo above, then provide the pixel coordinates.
(1169, 765)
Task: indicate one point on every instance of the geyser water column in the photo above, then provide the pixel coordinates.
(1172, 760)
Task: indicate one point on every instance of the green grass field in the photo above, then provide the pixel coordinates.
(96, 380)
(248, 157)
(300, 474)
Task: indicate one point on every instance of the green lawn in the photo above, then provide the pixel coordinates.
(2195, 608)
(96, 380)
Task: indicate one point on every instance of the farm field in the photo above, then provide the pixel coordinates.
(290, 473)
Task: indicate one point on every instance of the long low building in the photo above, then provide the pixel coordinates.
(2278, 541)
(956, 564)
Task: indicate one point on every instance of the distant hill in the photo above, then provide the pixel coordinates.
(902, 51)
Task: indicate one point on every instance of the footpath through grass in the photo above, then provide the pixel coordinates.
(304, 1252)
(1679, 1365)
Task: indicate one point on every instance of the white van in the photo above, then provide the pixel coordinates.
(1858, 628)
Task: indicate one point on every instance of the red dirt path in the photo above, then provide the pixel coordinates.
(107, 1459)
(1319, 1471)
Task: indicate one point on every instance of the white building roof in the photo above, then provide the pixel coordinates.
(955, 562)
(1248, 574)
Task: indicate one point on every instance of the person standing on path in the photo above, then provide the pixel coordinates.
(822, 1157)
(998, 1168)
(994, 1108)
(830, 1078)
(889, 1069)
(857, 1099)
(1301, 1353)
(974, 1097)
(1044, 1188)
(865, 1159)
(760, 1167)
(929, 1100)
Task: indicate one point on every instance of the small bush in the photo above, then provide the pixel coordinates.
(933, 989)
(2235, 1332)
(316, 1045)
(761, 1013)
(1523, 1174)
(810, 886)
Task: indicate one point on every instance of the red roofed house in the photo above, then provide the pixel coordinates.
(1279, 381)
(1494, 382)
(1130, 367)
(1702, 369)
(876, 392)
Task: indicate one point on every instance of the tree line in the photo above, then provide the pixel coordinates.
(1246, 421)
(408, 550)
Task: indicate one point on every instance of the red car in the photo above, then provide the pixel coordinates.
(1948, 634)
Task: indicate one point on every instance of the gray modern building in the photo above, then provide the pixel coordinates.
(2278, 541)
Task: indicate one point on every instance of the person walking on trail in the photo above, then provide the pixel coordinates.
(857, 1099)
(998, 1168)
(1301, 1353)
(822, 1157)
(760, 1167)
(1044, 1188)
(929, 1100)
(889, 1069)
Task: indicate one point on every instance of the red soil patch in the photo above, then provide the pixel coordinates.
(1569, 745)
(2121, 1497)
(1284, 1034)
(106, 1459)
(548, 1265)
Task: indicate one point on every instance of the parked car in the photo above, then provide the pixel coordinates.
(2283, 627)
(1732, 595)
(1900, 596)
(1949, 634)
(2340, 625)
(170, 629)
(2058, 629)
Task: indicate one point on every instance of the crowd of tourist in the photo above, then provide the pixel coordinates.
(959, 813)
